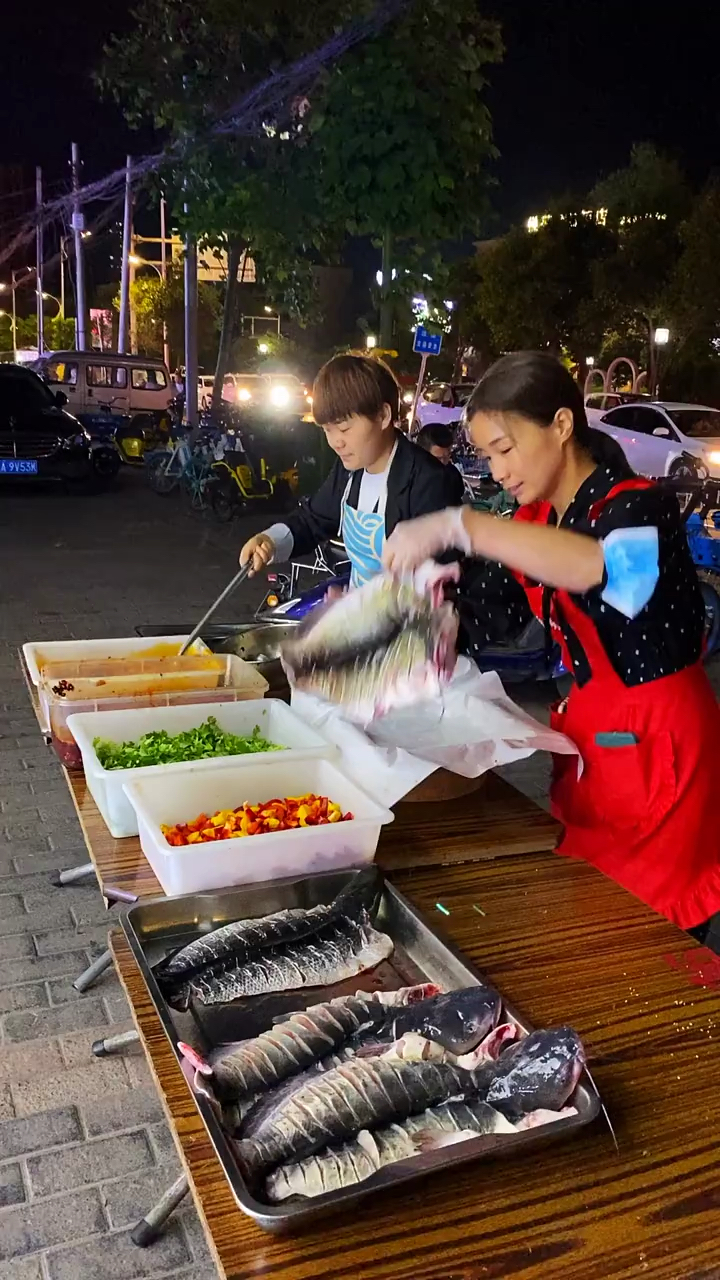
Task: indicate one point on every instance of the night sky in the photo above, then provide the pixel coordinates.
(580, 83)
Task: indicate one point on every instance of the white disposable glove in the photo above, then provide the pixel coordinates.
(413, 541)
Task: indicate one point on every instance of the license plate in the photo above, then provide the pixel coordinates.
(18, 466)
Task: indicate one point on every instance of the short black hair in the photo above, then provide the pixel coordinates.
(439, 434)
(350, 384)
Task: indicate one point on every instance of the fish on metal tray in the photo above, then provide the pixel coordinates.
(296, 1041)
(243, 939)
(335, 1105)
(458, 1020)
(540, 1071)
(385, 644)
(344, 948)
(415, 1048)
(354, 1161)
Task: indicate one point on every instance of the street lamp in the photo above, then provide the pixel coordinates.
(370, 341)
(136, 261)
(263, 348)
(54, 299)
(662, 337)
(590, 361)
(15, 279)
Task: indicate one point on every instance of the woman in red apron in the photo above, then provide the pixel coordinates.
(600, 556)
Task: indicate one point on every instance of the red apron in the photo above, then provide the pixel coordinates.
(645, 815)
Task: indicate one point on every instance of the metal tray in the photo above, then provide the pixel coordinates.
(155, 927)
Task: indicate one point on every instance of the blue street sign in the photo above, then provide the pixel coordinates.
(427, 344)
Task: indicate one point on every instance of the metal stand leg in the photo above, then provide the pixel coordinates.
(93, 972)
(114, 1044)
(148, 1228)
(72, 874)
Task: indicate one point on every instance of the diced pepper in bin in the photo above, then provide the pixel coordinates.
(259, 819)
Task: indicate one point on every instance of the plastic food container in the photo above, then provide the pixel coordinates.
(38, 653)
(275, 720)
(180, 796)
(128, 685)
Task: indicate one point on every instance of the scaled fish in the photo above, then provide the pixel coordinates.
(243, 939)
(458, 1020)
(334, 1106)
(385, 644)
(540, 1071)
(341, 950)
(344, 1166)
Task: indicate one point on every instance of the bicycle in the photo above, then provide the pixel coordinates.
(185, 466)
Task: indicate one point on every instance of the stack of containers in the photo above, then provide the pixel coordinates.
(146, 799)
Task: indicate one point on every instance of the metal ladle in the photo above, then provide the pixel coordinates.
(239, 577)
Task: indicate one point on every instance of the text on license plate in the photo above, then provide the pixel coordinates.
(18, 466)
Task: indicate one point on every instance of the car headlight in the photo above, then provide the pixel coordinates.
(279, 396)
(244, 394)
(714, 457)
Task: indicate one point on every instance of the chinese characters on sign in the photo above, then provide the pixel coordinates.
(427, 344)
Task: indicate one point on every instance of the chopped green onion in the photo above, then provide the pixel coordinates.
(161, 747)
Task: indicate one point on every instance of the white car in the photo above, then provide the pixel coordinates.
(660, 438)
(599, 402)
(443, 402)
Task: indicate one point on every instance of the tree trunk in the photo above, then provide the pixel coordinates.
(235, 249)
(386, 306)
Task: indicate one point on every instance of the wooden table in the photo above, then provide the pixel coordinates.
(496, 819)
(562, 942)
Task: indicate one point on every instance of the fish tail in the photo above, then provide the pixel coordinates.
(362, 894)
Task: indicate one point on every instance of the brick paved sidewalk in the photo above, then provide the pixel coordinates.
(84, 1149)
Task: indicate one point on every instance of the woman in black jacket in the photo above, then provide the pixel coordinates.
(379, 479)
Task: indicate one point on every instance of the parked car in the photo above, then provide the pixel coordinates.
(40, 439)
(599, 402)
(442, 402)
(660, 438)
(93, 381)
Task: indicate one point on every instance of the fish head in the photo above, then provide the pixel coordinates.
(540, 1071)
(458, 1020)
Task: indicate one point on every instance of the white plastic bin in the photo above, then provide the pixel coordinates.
(276, 721)
(168, 798)
(38, 652)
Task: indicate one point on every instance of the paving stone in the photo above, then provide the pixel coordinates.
(35, 1133)
(55, 916)
(56, 941)
(17, 1065)
(128, 1199)
(117, 1006)
(37, 1024)
(10, 905)
(35, 968)
(7, 1106)
(46, 859)
(25, 1269)
(76, 1047)
(163, 1143)
(92, 911)
(194, 1233)
(106, 985)
(68, 1088)
(13, 948)
(117, 1111)
(52, 1222)
(138, 1070)
(116, 1255)
(71, 1167)
(30, 994)
(12, 1190)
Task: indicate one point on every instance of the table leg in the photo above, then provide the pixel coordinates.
(93, 972)
(148, 1228)
(72, 874)
(114, 1044)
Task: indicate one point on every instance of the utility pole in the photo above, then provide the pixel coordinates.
(78, 226)
(191, 338)
(39, 260)
(163, 268)
(124, 322)
(131, 290)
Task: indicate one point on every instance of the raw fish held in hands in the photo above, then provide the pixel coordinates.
(387, 644)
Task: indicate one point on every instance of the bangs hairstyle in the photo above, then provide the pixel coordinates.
(352, 384)
(534, 385)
